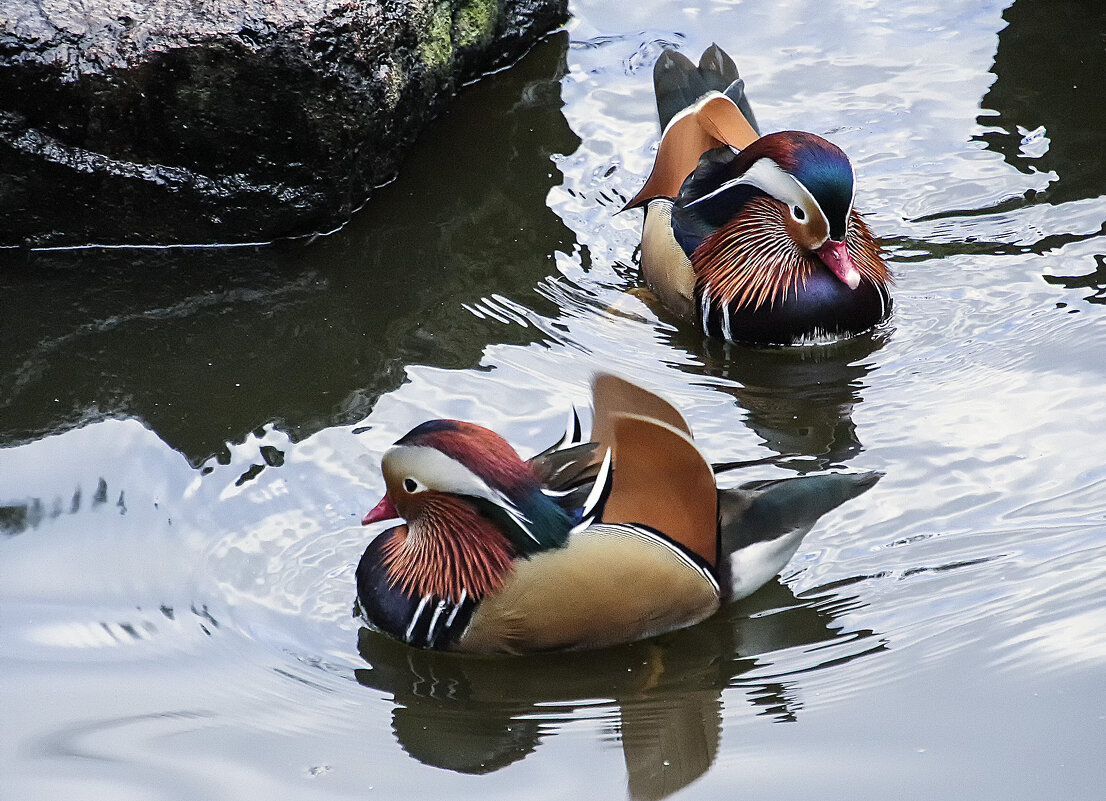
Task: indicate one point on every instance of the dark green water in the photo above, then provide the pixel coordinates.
(188, 439)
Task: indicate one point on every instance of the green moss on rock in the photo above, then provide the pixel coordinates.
(474, 22)
(437, 47)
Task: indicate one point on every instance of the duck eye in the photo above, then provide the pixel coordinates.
(411, 485)
(798, 213)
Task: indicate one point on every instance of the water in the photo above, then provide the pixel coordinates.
(191, 438)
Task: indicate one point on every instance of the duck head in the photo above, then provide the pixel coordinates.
(792, 178)
(471, 506)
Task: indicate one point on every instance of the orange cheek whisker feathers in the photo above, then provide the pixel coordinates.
(866, 252)
(751, 261)
(448, 550)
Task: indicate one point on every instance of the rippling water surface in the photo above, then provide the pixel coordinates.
(191, 437)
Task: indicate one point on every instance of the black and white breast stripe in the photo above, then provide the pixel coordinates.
(719, 315)
(424, 622)
(436, 622)
(716, 319)
(708, 312)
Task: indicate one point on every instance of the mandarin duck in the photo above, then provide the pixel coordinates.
(586, 544)
(754, 238)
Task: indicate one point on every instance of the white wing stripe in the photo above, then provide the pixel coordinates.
(679, 552)
(601, 480)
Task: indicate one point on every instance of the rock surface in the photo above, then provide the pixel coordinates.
(205, 121)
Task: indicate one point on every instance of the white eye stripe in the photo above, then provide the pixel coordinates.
(769, 177)
(435, 471)
(443, 474)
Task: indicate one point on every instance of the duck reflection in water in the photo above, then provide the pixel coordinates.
(800, 401)
(660, 699)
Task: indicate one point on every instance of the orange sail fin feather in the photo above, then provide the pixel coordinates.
(613, 396)
(723, 121)
(662, 481)
(714, 121)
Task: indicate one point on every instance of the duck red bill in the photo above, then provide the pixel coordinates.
(384, 510)
(836, 257)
